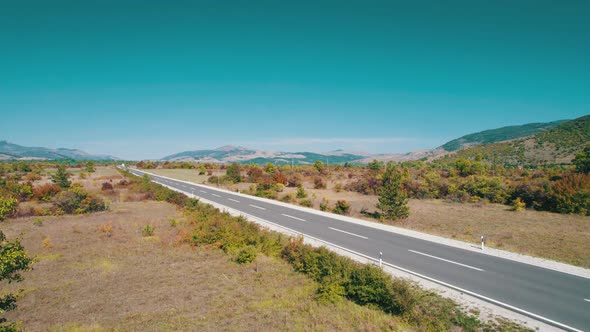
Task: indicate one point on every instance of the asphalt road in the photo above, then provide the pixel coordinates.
(557, 298)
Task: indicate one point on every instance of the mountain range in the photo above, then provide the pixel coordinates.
(530, 144)
(230, 154)
(10, 151)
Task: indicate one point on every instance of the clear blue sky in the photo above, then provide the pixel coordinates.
(143, 79)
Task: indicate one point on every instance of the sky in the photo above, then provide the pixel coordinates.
(145, 79)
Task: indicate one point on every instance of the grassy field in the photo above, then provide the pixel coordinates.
(559, 237)
(97, 272)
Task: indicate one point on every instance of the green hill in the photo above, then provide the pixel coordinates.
(499, 134)
(555, 146)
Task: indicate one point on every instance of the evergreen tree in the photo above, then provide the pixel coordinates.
(393, 199)
(61, 177)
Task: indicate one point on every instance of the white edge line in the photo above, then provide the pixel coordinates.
(446, 260)
(586, 300)
(349, 233)
(485, 298)
(288, 216)
(256, 206)
(233, 200)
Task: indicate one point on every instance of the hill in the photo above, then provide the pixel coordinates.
(11, 151)
(237, 154)
(499, 135)
(554, 146)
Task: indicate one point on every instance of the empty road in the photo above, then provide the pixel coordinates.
(560, 299)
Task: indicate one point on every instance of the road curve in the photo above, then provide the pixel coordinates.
(557, 298)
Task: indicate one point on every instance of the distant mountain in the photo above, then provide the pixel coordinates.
(484, 137)
(499, 135)
(554, 146)
(10, 151)
(237, 154)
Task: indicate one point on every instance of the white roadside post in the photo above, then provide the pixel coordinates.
(380, 259)
(482, 241)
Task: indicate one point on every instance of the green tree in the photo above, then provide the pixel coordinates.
(13, 261)
(233, 173)
(393, 199)
(90, 168)
(61, 177)
(375, 165)
(582, 161)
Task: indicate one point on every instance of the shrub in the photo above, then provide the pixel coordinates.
(306, 203)
(32, 177)
(78, 201)
(107, 228)
(246, 255)
(341, 207)
(147, 230)
(518, 205)
(288, 198)
(8, 206)
(301, 192)
(319, 183)
(13, 261)
(107, 186)
(82, 175)
(295, 180)
(338, 187)
(324, 204)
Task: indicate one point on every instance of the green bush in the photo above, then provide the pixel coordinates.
(301, 192)
(246, 255)
(306, 203)
(78, 201)
(147, 230)
(341, 207)
(8, 206)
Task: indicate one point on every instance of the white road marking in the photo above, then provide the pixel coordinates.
(288, 216)
(233, 200)
(445, 260)
(215, 195)
(349, 233)
(203, 191)
(258, 207)
(586, 300)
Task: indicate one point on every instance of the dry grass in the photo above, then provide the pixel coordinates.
(564, 238)
(101, 274)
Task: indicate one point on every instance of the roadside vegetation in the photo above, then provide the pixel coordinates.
(539, 211)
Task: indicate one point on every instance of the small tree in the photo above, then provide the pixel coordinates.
(301, 192)
(319, 166)
(582, 161)
(393, 199)
(233, 173)
(13, 261)
(90, 167)
(61, 177)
